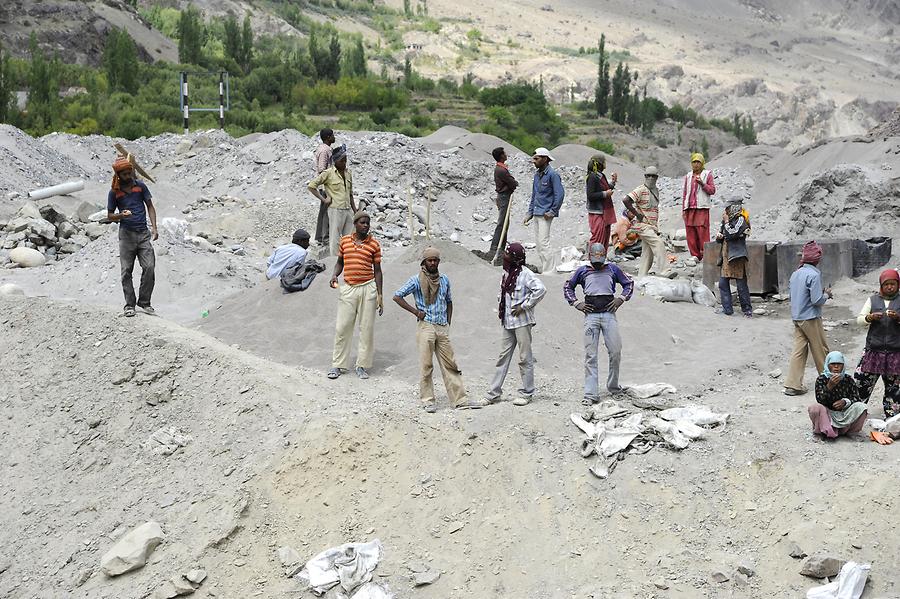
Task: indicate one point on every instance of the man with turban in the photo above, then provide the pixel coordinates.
(520, 292)
(434, 313)
(359, 259)
(697, 188)
(643, 202)
(807, 298)
(129, 203)
(338, 185)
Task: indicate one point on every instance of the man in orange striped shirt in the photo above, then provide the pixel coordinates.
(359, 258)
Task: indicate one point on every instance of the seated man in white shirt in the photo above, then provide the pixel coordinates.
(288, 254)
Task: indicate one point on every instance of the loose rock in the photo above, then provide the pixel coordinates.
(132, 550)
(822, 565)
(27, 257)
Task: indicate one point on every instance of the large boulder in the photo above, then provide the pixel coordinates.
(94, 230)
(66, 229)
(30, 211)
(27, 257)
(132, 550)
(11, 289)
(85, 209)
(43, 228)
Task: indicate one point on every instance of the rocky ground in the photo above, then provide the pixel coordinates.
(224, 431)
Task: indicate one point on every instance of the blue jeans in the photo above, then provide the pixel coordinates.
(594, 325)
(743, 295)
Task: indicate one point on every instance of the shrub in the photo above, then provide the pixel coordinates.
(603, 146)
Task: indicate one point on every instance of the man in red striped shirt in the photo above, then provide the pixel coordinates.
(359, 258)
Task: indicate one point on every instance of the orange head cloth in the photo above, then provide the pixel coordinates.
(122, 163)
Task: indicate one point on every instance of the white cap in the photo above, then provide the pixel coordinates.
(543, 152)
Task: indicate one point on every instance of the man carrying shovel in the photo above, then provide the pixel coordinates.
(505, 184)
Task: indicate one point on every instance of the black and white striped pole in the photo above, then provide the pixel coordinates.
(222, 100)
(184, 101)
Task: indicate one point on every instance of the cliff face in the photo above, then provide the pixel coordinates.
(77, 30)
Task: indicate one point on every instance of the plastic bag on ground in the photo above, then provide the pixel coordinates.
(649, 390)
(700, 415)
(702, 294)
(619, 437)
(669, 432)
(349, 565)
(667, 290)
(689, 429)
(849, 583)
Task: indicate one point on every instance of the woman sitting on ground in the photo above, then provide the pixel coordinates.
(839, 410)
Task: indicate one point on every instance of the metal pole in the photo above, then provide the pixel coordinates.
(428, 214)
(409, 217)
(184, 101)
(221, 100)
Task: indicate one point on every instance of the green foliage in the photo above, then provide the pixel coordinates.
(355, 60)
(6, 87)
(165, 20)
(520, 113)
(120, 61)
(191, 37)
(43, 89)
(601, 93)
(474, 35)
(604, 146)
(431, 105)
(421, 121)
(621, 94)
(430, 25)
(704, 146)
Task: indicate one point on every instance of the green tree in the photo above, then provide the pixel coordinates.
(601, 93)
(407, 73)
(704, 146)
(6, 87)
(43, 88)
(246, 44)
(407, 8)
(748, 132)
(191, 37)
(356, 60)
(233, 44)
(619, 97)
(121, 62)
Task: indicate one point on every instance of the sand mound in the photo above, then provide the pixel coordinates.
(472, 146)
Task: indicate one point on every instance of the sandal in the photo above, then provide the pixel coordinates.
(881, 438)
(129, 311)
(334, 373)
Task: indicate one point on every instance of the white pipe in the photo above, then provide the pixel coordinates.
(56, 190)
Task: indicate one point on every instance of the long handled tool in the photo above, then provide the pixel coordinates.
(123, 153)
(501, 243)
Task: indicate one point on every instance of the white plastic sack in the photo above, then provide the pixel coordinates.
(702, 294)
(571, 265)
(569, 253)
(849, 583)
(350, 565)
(667, 290)
(669, 432)
(700, 415)
(649, 390)
(689, 429)
(618, 438)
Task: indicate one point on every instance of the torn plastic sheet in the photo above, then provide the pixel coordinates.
(649, 390)
(669, 432)
(849, 584)
(349, 567)
(700, 415)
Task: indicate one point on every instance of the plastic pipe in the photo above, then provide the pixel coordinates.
(56, 190)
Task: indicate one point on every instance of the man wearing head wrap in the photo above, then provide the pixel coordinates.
(288, 255)
(338, 184)
(599, 191)
(599, 306)
(643, 202)
(520, 292)
(547, 195)
(359, 259)
(434, 313)
(838, 409)
(807, 298)
(881, 315)
(129, 203)
(733, 236)
(323, 161)
(697, 187)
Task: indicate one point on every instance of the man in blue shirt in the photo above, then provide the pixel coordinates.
(129, 203)
(547, 195)
(434, 311)
(807, 298)
(288, 254)
(599, 307)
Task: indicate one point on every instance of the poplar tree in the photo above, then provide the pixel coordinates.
(601, 93)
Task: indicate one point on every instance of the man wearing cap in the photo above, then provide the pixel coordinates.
(434, 313)
(643, 202)
(520, 292)
(697, 188)
(323, 161)
(599, 307)
(359, 258)
(288, 255)
(129, 203)
(547, 196)
(807, 298)
(338, 184)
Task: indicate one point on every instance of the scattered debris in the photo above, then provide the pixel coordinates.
(349, 566)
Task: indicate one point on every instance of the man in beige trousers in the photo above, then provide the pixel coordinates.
(807, 298)
(434, 313)
(643, 202)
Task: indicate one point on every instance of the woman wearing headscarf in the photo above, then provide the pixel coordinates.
(599, 191)
(698, 187)
(520, 291)
(838, 409)
(881, 315)
(733, 237)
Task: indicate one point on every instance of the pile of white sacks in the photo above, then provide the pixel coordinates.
(613, 430)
